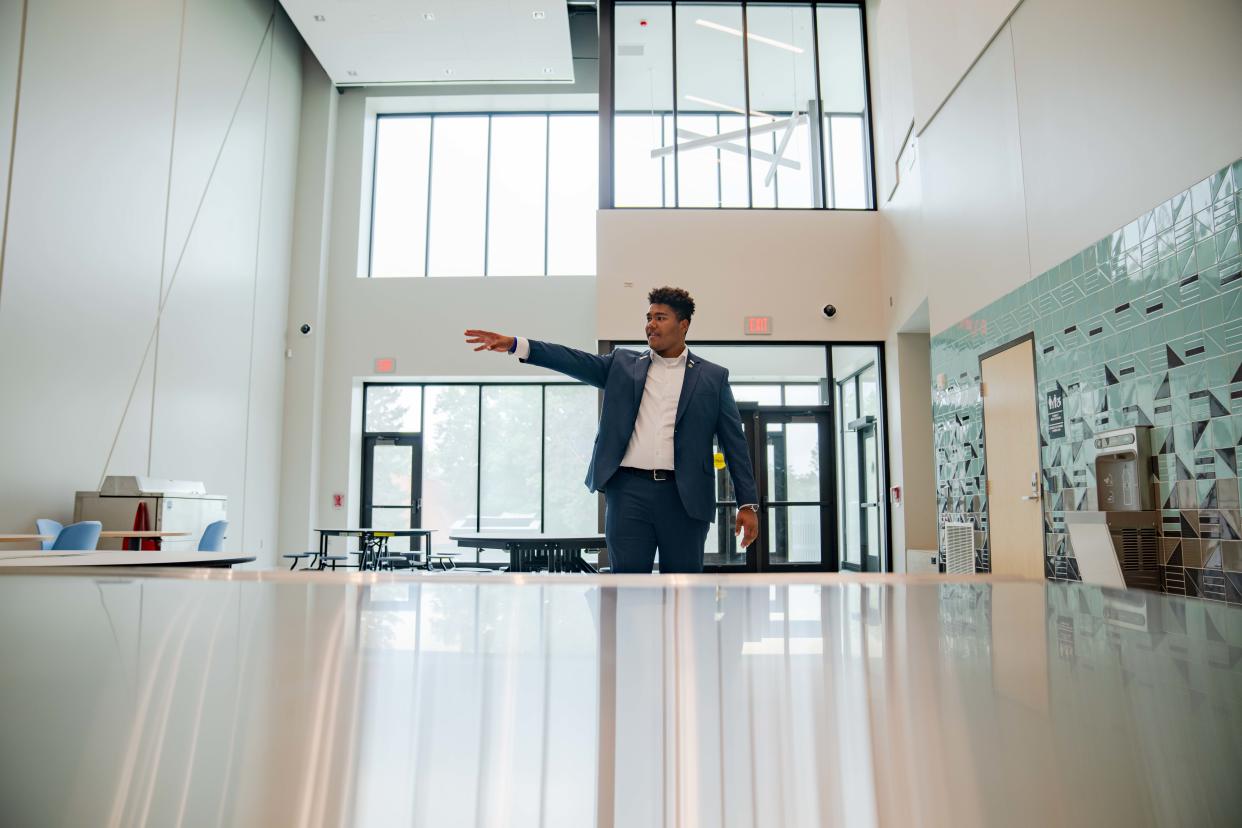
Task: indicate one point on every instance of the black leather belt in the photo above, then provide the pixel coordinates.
(650, 474)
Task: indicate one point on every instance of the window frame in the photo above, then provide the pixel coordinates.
(478, 385)
(547, 114)
(886, 555)
(607, 98)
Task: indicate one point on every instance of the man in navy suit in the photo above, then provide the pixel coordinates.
(653, 454)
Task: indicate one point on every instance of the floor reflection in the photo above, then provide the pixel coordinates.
(572, 702)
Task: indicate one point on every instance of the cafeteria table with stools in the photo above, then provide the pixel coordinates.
(372, 549)
(531, 551)
(122, 558)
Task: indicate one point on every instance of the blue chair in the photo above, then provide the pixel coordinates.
(213, 536)
(47, 526)
(79, 537)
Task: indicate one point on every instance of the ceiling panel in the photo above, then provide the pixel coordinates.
(374, 42)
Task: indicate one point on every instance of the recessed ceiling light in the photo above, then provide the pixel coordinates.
(351, 73)
(448, 71)
(319, 18)
(547, 70)
(711, 24)
(719, 105)
(429, 16)
(538, 15)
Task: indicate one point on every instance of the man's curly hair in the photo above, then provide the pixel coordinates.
(676, 298)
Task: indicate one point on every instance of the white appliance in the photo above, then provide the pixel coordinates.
(172, 505)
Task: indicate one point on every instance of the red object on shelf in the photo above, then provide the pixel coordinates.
(142, 523)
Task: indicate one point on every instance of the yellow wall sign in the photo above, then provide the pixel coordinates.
(718, 460)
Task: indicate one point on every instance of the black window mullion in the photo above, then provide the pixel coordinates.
(374, 186)
(547, 178)
(543, 460)
(866, 78)
(719, 174)
(819, 107)
(431, 151)
(676, 169)
(478, 468)
(750, 195)
(487, 197)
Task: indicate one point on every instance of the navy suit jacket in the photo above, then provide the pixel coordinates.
(706, 408)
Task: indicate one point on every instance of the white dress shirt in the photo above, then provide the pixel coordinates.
(651, 444)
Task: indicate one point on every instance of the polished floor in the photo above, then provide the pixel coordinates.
(232, 698)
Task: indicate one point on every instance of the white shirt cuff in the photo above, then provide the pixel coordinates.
(522, 351)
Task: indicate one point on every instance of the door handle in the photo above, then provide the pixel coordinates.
(1030, 497)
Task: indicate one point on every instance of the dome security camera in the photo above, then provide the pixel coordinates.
(829, 311)
(305, 329)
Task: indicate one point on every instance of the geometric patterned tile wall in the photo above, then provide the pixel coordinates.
(1142, 328)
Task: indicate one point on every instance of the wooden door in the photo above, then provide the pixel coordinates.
(1011, 451)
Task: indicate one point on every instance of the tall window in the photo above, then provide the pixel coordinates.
(740, 104)
(497, 456)
(485, 195)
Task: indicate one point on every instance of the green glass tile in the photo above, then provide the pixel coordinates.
(1201, 195)
(1227, 246)
(1221, 434)
(1203, 225)
(1222, 183)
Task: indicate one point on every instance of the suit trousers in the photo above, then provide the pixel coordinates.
(642, 515)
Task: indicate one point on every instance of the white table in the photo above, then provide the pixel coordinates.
(150, 557)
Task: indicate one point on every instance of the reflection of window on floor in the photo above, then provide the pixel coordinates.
(475, 195)
(701, 121)
(495, 456)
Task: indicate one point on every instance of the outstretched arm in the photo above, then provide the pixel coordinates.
(589, 368)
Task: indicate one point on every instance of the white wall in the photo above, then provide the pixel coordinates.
(946, 36)
(418, 322)
(11, 15)
(786, 264)
(1075, 119)
(154, 157)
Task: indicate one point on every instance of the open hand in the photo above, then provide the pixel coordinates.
(488, 341)
(746, 525)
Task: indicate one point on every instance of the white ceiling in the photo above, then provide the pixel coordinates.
(374, 42)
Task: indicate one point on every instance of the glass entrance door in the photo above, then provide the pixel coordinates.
(792, 462)
(795, 489)
(392, 474)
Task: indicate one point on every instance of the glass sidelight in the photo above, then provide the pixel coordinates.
(392, 484)
(860, 483)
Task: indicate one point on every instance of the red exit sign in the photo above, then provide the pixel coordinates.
(758, 325)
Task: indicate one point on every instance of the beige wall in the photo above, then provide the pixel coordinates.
(1073, 120)
(148, 163)
(1121, 104)
(946, 36)
(973, 209)
(785, 264)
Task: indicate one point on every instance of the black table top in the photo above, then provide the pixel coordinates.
(501, 540)
(399, 533)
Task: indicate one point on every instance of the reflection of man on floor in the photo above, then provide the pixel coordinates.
(653, 454)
